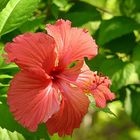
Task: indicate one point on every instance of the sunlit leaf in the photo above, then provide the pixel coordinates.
(114, 28)
(131, 103)
(136, 58)
(16, 13)
(3, 76)
(7, 135)
(4, 85)
(98, 3)
(32, 25)
(121, 73)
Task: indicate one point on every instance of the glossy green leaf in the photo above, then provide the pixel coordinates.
(111, 66)
(136, 53)
(3, 76)
(3, 4)
(8, 66)
(98, 3)
(16, 13)
(32, 25)
(88, 16)
(129, 7)
(7, 135)
(95, 63)
(124, 44)
(61, 3)
(136, 58)
(82, 13)
(4, 85)
(125, 76)
(114, 28)
(121, 73)
(1, 52)
(131, 103)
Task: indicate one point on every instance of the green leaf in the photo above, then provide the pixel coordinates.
(129, 7)
(96, 62)
(63, 5)
(1, 52)
(80, 10)
(3, 76)
(111, 66)
(4, 85)
(7, 135)
(110, 7)
(16, 13)
(8, 66)
(32, 25)
(3, 4)
(3, 90)
(98, 3)
(88, 16)
(123, 44)
(136, 53)
(136, 58)
(125, 76)
(132, 104)
(114, 28)
(121, 73)
(7, 121)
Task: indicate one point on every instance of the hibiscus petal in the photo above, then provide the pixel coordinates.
(107, 93)
(71, 74)
(99, 98)
(99, 87)
(73, 108)
(80, 75)
(34, 52)
(85, 77)
(32, 101)
(73, 43)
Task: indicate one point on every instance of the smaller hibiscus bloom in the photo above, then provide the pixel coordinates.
(99, 87)
(100, 90)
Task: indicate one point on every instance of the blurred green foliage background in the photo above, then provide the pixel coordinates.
(115, 25)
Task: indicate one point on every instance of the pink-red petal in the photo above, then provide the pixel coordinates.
(100, 89)
(32, 101)
(71, 74)
(99, 98)
(33, 52)
(73, 43)
(79, 75)
(73, 108)
(107, 93)
(85, 77)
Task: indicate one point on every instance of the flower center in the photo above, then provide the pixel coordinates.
(91, 86)
(56, 71)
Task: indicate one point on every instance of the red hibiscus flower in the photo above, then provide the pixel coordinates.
(46, 90)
